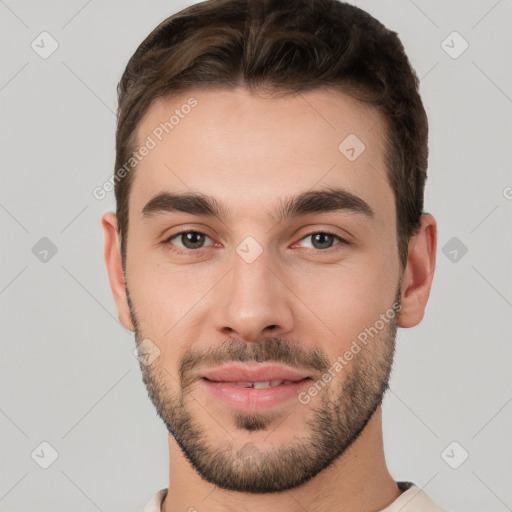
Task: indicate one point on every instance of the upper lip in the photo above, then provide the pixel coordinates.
(259, 373)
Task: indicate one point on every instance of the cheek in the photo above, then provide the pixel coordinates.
(164, 295)
(349, 298)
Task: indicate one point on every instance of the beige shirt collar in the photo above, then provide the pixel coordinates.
(413, 499)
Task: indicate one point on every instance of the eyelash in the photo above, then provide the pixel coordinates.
(188, 251)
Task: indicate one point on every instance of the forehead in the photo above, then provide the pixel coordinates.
(247, 149)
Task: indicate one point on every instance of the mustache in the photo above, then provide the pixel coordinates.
(270, 349)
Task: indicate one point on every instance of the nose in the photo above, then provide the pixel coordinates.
(253, 301)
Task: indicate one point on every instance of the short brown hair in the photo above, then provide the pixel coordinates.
(287, 46)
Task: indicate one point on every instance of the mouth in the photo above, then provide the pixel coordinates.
(260, 384)
(254, 388)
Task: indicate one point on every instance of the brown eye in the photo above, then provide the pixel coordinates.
(191, 240)
(322, 240)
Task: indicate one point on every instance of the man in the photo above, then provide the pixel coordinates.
(269, 240)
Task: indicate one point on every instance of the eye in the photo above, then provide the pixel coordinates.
(189, 240)
(323, 240)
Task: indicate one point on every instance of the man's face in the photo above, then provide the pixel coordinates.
(252, 290)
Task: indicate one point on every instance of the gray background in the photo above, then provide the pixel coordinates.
(68, 374)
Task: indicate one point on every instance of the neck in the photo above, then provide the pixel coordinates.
(358, 481)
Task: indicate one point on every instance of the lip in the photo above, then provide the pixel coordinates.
(223, 384)
(259, 373)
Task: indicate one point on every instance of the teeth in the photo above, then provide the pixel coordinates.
(242, 384)
(260, 385)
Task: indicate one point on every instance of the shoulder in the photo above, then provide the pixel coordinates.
(155, 503)
(413, 499)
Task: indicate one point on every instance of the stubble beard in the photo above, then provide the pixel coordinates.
(338, 415)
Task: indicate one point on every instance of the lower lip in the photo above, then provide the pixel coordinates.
(251, 399)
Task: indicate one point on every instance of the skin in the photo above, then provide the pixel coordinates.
(248, 150)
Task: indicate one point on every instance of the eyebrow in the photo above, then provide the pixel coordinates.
(313, 201)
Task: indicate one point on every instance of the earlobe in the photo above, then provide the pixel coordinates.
(419, 272)
(112, 253)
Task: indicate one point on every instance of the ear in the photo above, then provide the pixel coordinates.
(418, 273)
(115, 268)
